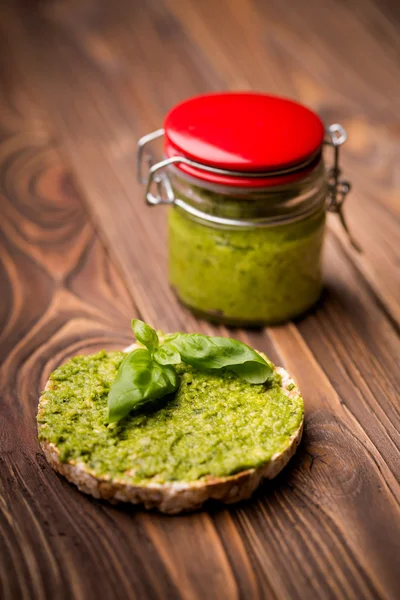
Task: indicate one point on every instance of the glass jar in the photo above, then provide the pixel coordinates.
(245, 246)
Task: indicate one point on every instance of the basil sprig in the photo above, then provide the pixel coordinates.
(147, 374)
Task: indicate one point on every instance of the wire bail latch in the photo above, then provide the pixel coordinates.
(338, 188)
(159, 189)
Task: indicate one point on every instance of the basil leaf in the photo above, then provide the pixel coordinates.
(204, 352)
(171, 376)
(167, 355)
(145, 334)
(139, 380)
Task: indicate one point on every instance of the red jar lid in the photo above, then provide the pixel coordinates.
(247, 133)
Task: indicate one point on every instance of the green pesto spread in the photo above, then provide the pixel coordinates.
(246, 276)
(213, 425)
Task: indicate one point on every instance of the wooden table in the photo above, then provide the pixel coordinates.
(81, 255)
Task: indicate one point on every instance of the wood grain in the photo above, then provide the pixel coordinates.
(80, 255)
(62, 296)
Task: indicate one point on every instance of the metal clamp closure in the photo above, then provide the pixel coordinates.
(159, 189)
(338, 188)
(158, 179)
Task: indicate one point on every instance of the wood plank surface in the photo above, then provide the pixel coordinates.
(80, 254)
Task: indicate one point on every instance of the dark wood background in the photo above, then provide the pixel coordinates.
(81, 80)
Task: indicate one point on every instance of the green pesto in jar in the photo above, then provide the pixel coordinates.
(212, 425)
(246, 276)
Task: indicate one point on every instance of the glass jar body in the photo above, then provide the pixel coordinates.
(249, 273)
